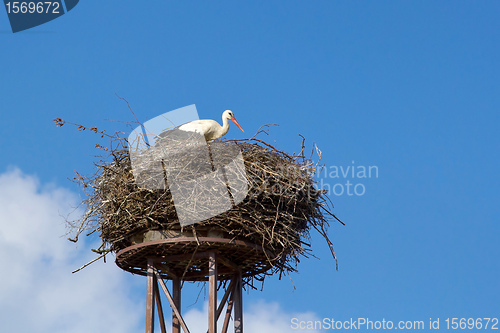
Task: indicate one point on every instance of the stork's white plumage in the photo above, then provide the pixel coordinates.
(210, 128)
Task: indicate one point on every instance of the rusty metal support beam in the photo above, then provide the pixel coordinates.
(160, 308)
(233, 295)
(171, 301)
(229, 291)
(176, 296)
(228, 314)
(212, 292)
(238, 304)
(150, 297)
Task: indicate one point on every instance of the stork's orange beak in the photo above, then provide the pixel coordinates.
(236, 123)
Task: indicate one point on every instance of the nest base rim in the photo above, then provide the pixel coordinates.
(187, 258)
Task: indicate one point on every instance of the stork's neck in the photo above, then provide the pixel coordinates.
(225, 125)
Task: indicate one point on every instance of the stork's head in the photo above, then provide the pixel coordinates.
(228, 114)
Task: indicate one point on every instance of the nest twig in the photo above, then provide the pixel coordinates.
(278, 213)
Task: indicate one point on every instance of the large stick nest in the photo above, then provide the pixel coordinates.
(278, 213)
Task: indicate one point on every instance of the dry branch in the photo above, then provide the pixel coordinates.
(281, 208)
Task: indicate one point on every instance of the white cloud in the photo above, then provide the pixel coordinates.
(38, 292)
(265, 317)
(259, 317)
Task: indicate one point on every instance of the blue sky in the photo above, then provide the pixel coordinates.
(409, 87)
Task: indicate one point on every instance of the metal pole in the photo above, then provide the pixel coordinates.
(176, 296)
(171, 301)
(212, 293)
(160, 308)
(238, 304)
(228, 314)
(150, 297)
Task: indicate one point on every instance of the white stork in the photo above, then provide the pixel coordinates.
(210, 128)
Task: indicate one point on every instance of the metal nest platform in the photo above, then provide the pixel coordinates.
(186, 257)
